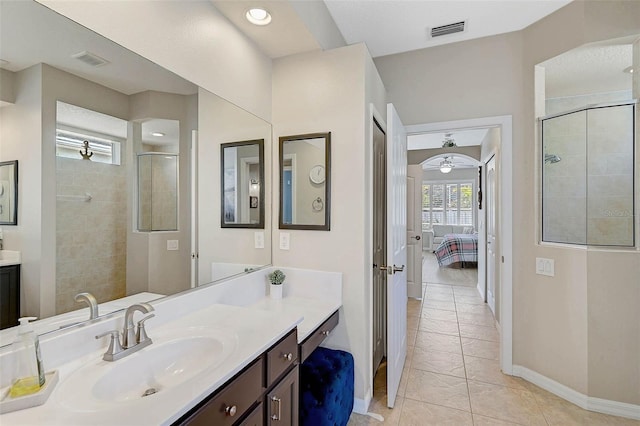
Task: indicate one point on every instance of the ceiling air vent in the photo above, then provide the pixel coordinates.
(90, 59)
(458, 27)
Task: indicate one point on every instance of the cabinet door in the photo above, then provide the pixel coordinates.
(282, 401)
(9, 296)
(256, 418)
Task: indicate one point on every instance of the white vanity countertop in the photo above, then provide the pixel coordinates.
(10, 257)
(253, 331)
(314, 311)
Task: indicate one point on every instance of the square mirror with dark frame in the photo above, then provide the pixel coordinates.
(242, 184)
(305, 190)
(9, 192)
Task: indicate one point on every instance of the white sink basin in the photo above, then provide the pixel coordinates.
(169, 363)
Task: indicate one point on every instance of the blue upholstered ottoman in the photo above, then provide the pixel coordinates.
(326, 388)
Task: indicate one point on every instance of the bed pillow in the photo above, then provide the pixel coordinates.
(467, 230)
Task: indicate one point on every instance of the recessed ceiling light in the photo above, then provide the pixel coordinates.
(258, 16)
(628, 69)
(157, 134)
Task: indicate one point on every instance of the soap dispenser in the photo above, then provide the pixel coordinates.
(29, 373)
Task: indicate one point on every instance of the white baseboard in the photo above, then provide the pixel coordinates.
(586, 402)
(361, 406)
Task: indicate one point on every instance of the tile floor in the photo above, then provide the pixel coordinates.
(452, 375)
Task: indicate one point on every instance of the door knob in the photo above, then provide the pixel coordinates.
(398, 268)
(416, 237)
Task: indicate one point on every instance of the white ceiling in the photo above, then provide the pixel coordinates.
(394, 26)
(592, 68)
(31, 33)
(434, 140)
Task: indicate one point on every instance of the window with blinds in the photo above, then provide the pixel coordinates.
(447, 203)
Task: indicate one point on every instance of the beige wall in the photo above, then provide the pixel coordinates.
(331, 91)
(553, 317)
(196, 42)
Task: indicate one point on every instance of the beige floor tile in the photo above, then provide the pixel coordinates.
(558, 411)
(411, 337)
(434, 285)
(439, 304)
(438, 362)
(379, 406)
(439, 296)
(501, 402)
(418, 413)
(438, 389)
(472, 300)
(402, 387)
(485, 320)
(480, 348)
(465, 291)
(439, 315)
(439, 290)
(413, 309)
(479, 420)
(438, 342)
(438, 326)
(412, 322)
(473, 308)
(479, 332)
(488, 371)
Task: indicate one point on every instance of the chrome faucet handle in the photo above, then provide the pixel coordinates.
(90, 300)
(141, 335)
(114, 345)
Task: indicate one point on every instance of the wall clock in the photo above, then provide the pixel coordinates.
(317, 174)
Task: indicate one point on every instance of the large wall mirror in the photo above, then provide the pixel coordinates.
(242, 177)
(89, 224)
(305, 177)
(9, 192)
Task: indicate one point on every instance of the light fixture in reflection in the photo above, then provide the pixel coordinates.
(258, 16)
(157, 134)
(446, 165)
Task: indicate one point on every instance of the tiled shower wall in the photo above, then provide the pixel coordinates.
(587, 196)
(90, 235)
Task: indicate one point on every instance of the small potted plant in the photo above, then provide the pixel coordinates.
(276, 278)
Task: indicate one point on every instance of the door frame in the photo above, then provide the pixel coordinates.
(505, 123)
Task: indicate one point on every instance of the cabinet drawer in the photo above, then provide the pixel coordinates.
(240, 394)
(256, 418)
(282, 356)
(321, 333)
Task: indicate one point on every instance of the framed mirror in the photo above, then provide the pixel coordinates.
(242, 184)
(305, 181)
(9, 192)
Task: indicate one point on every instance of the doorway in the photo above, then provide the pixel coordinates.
(379, 245)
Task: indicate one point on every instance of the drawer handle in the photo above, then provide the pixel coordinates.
(326, 332)
(231, 411)
(277, 401)
(288, 356)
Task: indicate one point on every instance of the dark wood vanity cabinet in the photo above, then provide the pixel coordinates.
(9, 296)
(264, 393)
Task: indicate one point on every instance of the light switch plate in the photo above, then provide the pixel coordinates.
(258, 238)
(545, 266)
(172, 244)
(284, 241)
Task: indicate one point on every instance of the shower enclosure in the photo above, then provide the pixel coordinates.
(588, 176)
(157, 192)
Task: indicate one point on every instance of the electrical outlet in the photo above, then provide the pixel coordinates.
(545, 266)
(172, 244)
(258, 239)
(284, 241)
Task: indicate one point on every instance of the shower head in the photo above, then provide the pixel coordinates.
(551, 158)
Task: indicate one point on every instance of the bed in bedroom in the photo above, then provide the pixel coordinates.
(459, 249)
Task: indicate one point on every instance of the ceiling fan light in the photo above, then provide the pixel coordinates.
(446, 166)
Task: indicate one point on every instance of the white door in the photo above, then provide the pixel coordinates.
(396, 252)
(414, 231)
(492, 249)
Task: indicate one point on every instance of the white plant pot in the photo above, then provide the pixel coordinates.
(275, 291)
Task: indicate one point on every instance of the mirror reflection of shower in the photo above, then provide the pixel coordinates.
(551, 158)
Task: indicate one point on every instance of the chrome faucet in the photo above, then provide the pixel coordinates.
(132, 340)
(89, 300)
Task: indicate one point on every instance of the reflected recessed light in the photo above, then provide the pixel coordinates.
(628, 69)
(258, 16)
(157, 134)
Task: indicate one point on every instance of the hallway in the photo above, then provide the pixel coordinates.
(452, 375)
